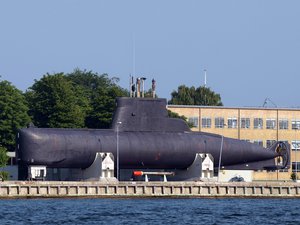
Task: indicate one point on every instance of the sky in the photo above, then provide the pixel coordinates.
(250, 49)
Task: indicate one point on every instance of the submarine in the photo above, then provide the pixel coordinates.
(142, 136)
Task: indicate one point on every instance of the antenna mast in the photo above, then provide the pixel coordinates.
(133, 55)
(205, 78)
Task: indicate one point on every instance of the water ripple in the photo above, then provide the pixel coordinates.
(150, 211)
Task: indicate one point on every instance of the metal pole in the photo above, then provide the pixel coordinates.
(143, 93)
(153, 88)
(143, 86)
(130, 86)
(296, 149)
(220, 158)
(205, 78)
(138, 87)
(118, 123)
(296, 164)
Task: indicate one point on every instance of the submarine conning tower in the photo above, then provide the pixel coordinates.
(145, 114)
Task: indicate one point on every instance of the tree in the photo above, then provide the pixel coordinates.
(3, 160)
(13, 114)
(3, 157)
(101, 91)
(183, 96)
(192, 96)
(55, 102)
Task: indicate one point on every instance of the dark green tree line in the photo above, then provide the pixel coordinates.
(75, 100)
(13, 114)
(195, 96)
(3, 160)
(55, 102)
(101, 92)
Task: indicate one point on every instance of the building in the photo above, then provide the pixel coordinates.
(262, 126)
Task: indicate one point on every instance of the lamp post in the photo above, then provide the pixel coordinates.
(118, 123)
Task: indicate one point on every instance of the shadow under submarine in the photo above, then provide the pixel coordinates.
(147, 139)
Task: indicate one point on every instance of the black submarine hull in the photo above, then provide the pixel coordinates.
(73, 148)
(144, 137)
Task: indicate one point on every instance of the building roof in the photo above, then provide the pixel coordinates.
(226, 107)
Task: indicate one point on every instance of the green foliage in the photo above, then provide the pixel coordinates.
(13, 114)
(78, 99)
(3, 175)
(3, 157)
(101, 92)
(176, 115)
(55, 102)
(3, 161)
(183, 96)
(195, 96)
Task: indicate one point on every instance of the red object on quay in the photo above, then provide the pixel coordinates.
(137, 173)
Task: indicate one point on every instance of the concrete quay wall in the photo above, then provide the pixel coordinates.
(30, 189)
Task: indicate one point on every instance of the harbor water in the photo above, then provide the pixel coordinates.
(150, 211)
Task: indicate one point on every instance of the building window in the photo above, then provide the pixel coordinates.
(245, 123)
(232, 122)
(295, 145)
(269, 143)
(295, 166)
(258, 142)
(206, 122)
(296, 124)
(219, 122)
(283, 124)
(271, 124)
(194, 121)
(258, 123)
